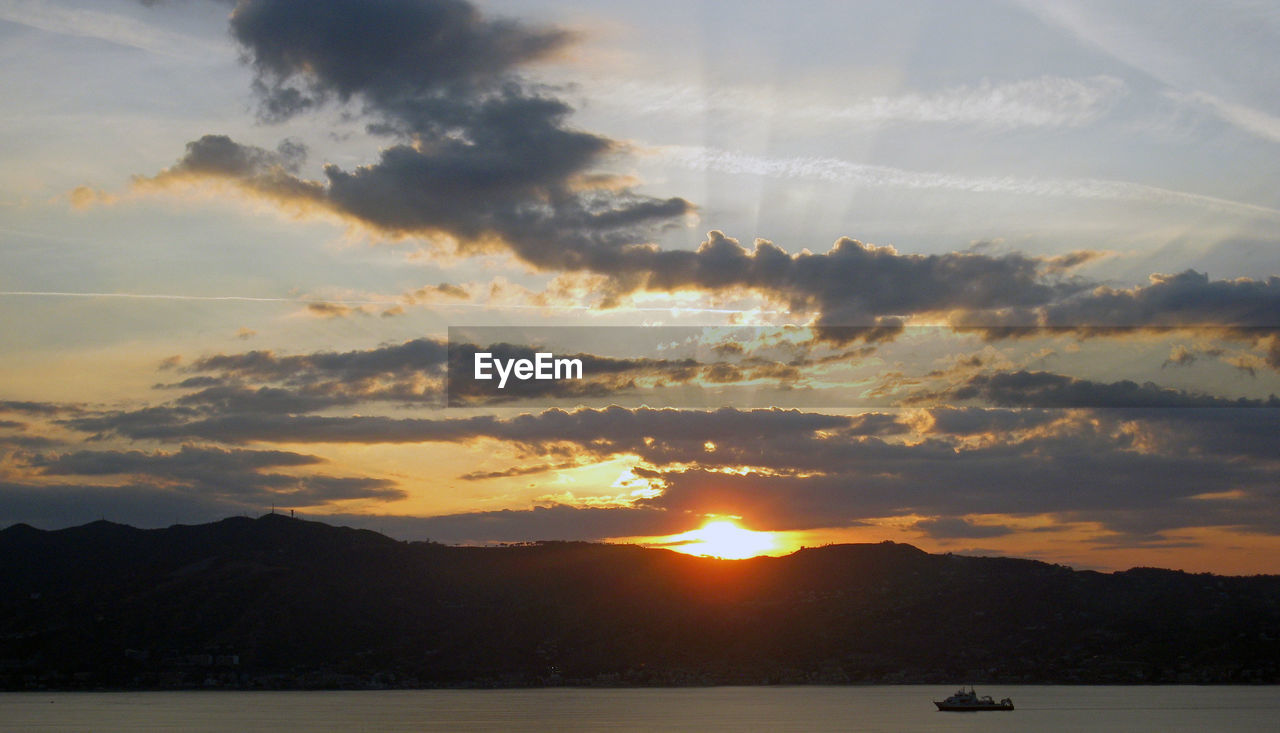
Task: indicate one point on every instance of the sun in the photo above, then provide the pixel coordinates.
(724, 539)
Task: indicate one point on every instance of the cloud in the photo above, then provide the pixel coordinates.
(400, 56)
(414, 372)
(1188, 298)
(519, 471)
(235, 475)
(1045, 389)
(1074, 474)
(556, 522)
(84, 197)
(1180, 356)
(111, 27)
(259, 380)
(1250, 119)
(487, 162)
(1120, 467)
(448, 290)
(1045, 101)
(327, 310)
(189, 461)
(25, 442)
(264, 172)
(967, 421)
(959, 528)
(400, 359)
(1242, 309)
(853, 284)
(37, 408)
(601, 432)
(481, 157)
(865, 175)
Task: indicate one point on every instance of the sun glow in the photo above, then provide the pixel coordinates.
(722, 538)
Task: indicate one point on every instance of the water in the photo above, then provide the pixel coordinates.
(885, 708)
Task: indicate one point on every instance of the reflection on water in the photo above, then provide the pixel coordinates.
(884, 708)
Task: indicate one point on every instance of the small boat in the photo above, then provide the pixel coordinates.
(965, 701)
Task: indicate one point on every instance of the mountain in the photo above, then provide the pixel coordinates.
(278, 602)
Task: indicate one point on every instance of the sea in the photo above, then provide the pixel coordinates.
(894, 709)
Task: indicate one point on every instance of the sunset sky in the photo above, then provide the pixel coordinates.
(982, 277)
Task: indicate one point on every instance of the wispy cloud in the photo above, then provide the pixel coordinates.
(1046, 101)
(319, 306)
(146, 296)
(836, 170)
(1251, 120)
(112, 27)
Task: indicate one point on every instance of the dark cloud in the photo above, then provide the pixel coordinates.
(1243, 309)
(1128, 469)
(482, 156)
(959, 528)
(414, 372)
(37, 408)
(189, 461)
(448, 290)
(407, 358)
(263, 381)
(610, 430)
(128, 422)
(1239, 434)
(1045, 389)
(333, 310)
(218, 155)
(264, 172)
(1073, 476)
(485, 158)
(556, 522)
(192, 383)
(401, 57)
(519, 471)
(855, 284)
(236, 399)
(236, 475)
(1186, 299)
(794, 470)
(1072, 260)
(27, 442)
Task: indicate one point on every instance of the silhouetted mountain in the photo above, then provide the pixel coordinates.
(281, 602)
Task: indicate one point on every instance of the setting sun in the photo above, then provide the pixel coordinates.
(722, 538)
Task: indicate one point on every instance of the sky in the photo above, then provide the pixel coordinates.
(989, 278)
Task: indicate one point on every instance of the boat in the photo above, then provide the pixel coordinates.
(965, 701)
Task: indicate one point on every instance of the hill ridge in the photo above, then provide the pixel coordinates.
(285, 602)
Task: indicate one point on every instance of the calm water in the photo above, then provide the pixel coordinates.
(896, 708)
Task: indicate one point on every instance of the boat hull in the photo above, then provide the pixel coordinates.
(946, 707)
